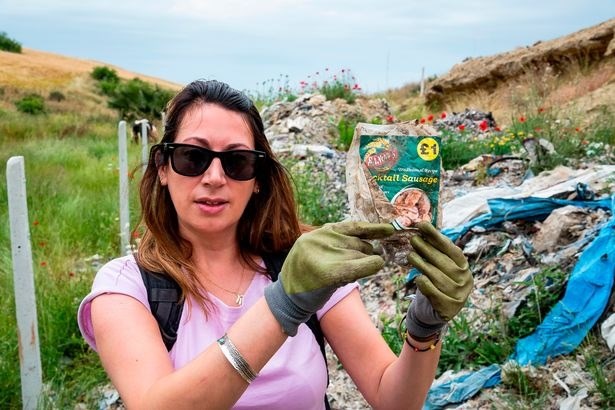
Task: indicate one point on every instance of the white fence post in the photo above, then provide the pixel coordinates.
(124, 200)
(163, 121)
(144, 141)
(23, 273)
(422, 85)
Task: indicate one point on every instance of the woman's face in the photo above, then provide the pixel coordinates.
(210, 205)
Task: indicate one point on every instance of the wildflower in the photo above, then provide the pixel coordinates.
(390, 118)
(577, 129)
(443, 115)
(462, 127)
(541, 110)
(42, 244)
(483, 125)
(430, 117)
(71, 274)
(497, 129)
(43, 264)
(422, 121)
(537, 129)
(35, 223)
(522, 119)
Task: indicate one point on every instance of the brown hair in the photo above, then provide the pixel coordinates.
(269, 223)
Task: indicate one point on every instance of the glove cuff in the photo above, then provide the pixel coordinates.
(419, 330)
(287, 313)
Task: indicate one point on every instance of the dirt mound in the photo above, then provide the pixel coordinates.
(587, 48)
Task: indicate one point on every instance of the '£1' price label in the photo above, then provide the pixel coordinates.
(428, 149)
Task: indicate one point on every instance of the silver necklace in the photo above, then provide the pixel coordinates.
(238, 296)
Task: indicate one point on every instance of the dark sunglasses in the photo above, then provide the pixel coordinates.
(192, 160)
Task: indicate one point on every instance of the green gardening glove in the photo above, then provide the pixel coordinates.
(443, 287)
(318, 263)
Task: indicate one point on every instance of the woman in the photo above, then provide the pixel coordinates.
(214, 200)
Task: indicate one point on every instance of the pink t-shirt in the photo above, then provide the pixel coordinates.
(295, 377)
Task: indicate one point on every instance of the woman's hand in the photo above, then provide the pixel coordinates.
(319, 262)
(445, 283)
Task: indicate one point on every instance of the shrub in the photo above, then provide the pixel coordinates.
(8, 44)
(136, 99)
(56, 96)
(31, 104)
(102, 73)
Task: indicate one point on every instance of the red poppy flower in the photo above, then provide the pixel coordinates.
(522, 119)
(430, 117)
(390, 118)
(577, 129)
(35, 222)
(483, 125)
(541, 109)
(43, 264)
(498, 129)
(422, 121)
(443, 115)
(462, 127)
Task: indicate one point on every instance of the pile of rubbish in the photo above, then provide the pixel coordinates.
(512, 225)
(510, 234)
(470, 120)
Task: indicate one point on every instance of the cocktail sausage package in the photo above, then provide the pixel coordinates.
(393, 175)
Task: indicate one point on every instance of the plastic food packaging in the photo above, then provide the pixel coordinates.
(393, 175)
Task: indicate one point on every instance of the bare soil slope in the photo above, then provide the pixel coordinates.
(577, 69)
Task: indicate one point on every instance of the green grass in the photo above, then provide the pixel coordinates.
(72, 198)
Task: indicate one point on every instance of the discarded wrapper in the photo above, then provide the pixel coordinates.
(393, 175)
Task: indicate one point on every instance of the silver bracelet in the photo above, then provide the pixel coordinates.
(236, 359)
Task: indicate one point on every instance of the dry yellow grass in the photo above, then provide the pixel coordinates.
(41, 71)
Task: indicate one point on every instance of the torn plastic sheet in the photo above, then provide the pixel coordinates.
(507, 209)
(529, 209)
(587, 294)
(461, 388)
(551, 184)
(567, 324)
(608, 332)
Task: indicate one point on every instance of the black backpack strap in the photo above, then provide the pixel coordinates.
(164, 297)
(273, 263)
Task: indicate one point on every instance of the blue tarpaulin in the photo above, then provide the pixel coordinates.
(587, 294)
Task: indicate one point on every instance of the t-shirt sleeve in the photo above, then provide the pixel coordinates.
(121, 276)
(339, 294)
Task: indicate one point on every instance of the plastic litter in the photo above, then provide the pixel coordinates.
(608, 331)
(587, 294)
(570, 320)
(462, 387)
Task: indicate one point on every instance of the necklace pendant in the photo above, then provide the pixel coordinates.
(239, 300)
